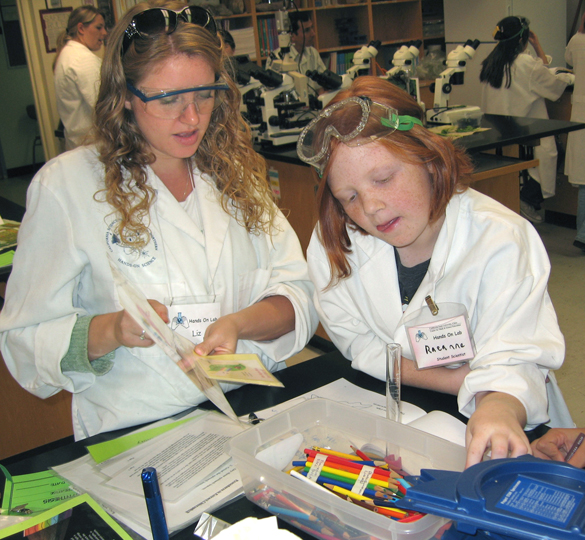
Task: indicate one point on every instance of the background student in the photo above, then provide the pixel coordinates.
(574, 163)
(173, 193)
(397, 224)
(302, 41)
(228, 42)
(77, 72)
(515, 83)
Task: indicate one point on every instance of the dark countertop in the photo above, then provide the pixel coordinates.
(504, 131)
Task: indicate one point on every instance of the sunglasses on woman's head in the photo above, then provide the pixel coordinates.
(151, 22)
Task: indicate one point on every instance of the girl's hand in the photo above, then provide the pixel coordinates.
(557, 442)
(497, 425)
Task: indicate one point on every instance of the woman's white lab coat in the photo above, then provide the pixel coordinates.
(61, 272)
(487, 258)
(532, 83)
(574, 164)
(77, 83)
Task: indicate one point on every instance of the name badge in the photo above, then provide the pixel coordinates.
(437, 340)
(191, 319)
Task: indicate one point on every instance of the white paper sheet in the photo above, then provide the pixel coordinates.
(183, 458)
(128, 506)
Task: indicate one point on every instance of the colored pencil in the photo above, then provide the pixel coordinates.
(322, 480)
(359, 453)
(342, 455)
(347, 492)
(336, 459)
(356, 469)
(353, 476)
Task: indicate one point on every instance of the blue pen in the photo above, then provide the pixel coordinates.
(156, 513)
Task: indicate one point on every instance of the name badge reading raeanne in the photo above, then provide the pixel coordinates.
(437, 340)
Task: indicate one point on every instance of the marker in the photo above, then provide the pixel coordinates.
(156, 513)
(578, 442)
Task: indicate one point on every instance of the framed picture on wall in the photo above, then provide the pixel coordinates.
(53, 21)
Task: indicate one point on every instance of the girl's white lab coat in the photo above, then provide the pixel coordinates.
(574, 164)
(61, 272)
(487, 258)
(532, 83)
(77, 83)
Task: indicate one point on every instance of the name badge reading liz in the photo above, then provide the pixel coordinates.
(441, 342)
(191, 320)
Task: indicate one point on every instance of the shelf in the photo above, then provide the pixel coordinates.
(392, 22)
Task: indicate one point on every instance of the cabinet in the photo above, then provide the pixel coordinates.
(393, 22)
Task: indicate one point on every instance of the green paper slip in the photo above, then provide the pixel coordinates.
(102, 451)
(6, 258)
(80, 517)
(33, 493)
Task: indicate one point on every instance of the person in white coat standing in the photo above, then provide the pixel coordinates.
(172, 194)
(574, 162)
(77, 72)
(517, 84)
(400, 233)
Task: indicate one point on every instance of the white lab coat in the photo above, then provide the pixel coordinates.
(574, 164)
(532, 83)
(61, 271)
(77, 80)
(487, 258)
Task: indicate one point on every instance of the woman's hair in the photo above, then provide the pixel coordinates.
(512, 35)
(225, 152)
(449, 167)
(84, 15)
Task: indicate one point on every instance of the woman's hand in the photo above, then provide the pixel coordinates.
(221, 337)
(557, 442)
(118, 329)
(266, 320)
(497, 425)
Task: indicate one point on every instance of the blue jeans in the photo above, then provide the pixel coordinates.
(581, 215)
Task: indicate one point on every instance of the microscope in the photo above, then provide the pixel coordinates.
(333, 83)
(456, 65)
(273, 104)
(402, 73)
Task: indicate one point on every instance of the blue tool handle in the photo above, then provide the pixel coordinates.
(156, 513)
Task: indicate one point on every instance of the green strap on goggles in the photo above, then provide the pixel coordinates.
(401, 123)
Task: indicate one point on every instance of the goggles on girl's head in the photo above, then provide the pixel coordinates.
(353, 121)
(151, 22)
(499, 32)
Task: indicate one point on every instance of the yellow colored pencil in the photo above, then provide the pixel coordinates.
(347, 492)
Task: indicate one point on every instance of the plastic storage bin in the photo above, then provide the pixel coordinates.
(466, 118)
(264, 451)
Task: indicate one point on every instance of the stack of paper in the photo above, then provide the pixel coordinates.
(245, 42)
(194, 472)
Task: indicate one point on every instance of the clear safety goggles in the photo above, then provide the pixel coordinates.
(355, 121)
(151, 22)
(170, 104)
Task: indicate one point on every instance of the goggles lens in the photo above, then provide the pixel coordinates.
(354, 121)
(151, 22)
(171, 104)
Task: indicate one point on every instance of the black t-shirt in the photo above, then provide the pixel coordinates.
(409, 279)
